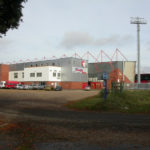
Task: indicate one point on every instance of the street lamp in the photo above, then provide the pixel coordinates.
(138, 21)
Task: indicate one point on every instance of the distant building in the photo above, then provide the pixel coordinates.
(118, 71)
(69, 72)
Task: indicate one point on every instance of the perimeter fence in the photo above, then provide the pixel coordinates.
(136, 86)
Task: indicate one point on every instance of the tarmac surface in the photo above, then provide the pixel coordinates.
(81, 146)
(88, 130)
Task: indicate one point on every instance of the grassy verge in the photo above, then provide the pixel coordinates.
(127, 101)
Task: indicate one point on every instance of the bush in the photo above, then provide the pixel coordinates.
(47, 88)
(52, 88)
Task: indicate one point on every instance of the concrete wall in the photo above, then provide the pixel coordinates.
(20, 77)
(46, 71)
(70, 67)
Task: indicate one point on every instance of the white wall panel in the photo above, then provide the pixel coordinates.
(20, 77)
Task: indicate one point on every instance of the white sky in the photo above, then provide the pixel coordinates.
(57, 27)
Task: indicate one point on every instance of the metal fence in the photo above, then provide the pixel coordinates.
(141, 86)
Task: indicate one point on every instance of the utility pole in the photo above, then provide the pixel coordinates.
(138, 21)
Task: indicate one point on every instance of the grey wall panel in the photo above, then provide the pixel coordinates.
(97, 70)
(68, 74)
(65, 63)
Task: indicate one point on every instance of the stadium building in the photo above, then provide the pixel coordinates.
(118, 71)
(70, 73)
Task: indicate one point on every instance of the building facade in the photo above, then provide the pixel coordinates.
(71, 73)
(118, 71)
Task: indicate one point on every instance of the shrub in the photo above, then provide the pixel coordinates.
(52, 88)
(47, 88)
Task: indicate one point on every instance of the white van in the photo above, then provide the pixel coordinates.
(2, 84)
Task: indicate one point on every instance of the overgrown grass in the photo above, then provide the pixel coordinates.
(127, 101)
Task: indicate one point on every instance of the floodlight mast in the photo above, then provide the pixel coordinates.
(138, 21)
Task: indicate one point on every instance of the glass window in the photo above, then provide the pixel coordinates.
(32, 74)
(54, 74)
(15, 75)
(22, 74)
(39, 74)
(58, 74)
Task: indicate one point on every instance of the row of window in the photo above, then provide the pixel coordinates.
(58, 74)
(47, 64)
(38, 74)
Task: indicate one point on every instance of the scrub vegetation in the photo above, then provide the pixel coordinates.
(135, 101)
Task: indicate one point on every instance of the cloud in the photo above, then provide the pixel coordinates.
(4, 44)
(114, 40)
(76, 39)
(73, 39)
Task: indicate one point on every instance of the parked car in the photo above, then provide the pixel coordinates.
(41, 87)
(19, 86)
(58, 88)
(2, 84)
(38, 87)
(87, 88)
(27, 87)
(35, 87)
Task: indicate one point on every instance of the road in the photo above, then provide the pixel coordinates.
(42, 108)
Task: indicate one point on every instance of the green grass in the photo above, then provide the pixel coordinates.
(127, 101)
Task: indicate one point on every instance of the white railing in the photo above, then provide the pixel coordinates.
(142, 86)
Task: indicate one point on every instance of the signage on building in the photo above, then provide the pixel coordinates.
(83, 63)
(79, 70)
(83, 69)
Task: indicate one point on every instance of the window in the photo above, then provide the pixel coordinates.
(53, 64)
(32, 74)
(39, 74)
(22, 74)
(58, 75)
(54, 74)
(15, 75)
